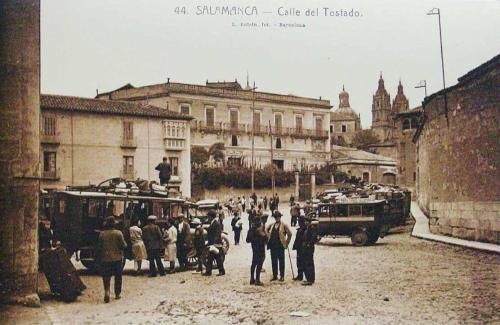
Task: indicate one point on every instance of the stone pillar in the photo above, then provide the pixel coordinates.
(313, 184)
(20, 143)
(297, 182)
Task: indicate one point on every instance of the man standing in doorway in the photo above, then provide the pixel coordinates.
(279, 234)
(165, 171)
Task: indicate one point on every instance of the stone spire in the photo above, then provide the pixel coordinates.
(382, 123)
(344, 98)
(400, 103)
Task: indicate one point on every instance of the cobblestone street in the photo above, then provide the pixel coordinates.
(399, 280)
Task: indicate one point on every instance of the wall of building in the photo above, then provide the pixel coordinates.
(458, 177)
(406, 156)
(294, 151)
(351, 130)
(90, 149)
(376, 171)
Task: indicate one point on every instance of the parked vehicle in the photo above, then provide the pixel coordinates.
(364, 221)
(77, 217)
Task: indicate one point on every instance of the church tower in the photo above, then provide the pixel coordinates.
(400, 103)
(382, 123)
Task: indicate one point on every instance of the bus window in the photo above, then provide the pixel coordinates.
(368, 210)
(342, 210)
(323, 211)
(354, 210)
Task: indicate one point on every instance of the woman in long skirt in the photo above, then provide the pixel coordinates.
(138, 248)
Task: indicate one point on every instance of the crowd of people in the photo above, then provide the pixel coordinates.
(175, 242)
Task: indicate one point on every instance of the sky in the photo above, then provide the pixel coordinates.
(104, 44)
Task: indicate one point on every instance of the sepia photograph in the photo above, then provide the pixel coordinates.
(249, 162)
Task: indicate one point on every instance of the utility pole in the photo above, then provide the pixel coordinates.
(437, 11)
(272, 158)
(253, 138)
(422, 84)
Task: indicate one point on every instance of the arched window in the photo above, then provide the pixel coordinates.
(278, 143)
(234, 141)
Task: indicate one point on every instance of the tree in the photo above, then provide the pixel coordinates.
(364, 138)
(217, 151)
(199, 155)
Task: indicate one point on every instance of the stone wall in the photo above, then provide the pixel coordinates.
(458, 176)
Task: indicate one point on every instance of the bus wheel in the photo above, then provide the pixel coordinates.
(359, 237)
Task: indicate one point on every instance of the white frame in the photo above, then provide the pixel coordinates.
(229, 114)
(282, 119)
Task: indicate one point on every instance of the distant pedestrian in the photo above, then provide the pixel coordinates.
(165, 171)
(243, 203)
(276, 201)
(139, 252)
(264, 201)
(170, 239)
(199, 242)
(294, 213)
(109, 254)
(257, 237)
(215, 252)
(279, 234)
(152, 237)
(297, 246)
(237, 225)
(272, 206)
(310, 239)
(292, 200)
(254, 198)
(183, 242)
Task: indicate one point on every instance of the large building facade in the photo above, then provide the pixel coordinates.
(86, 141)
(458, 178)
(224, 112)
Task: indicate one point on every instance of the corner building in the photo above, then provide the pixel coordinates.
(223, 113)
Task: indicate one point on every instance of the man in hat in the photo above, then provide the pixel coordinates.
(257, 237)
(279, 234)
(309, 240)
(183, 239)
(165, 171)
(199, 242)
(109, 255)
(295, 213)
(214, 235)
(153, 239)
(297, 245)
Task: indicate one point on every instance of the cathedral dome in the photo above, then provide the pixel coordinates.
(344, 112)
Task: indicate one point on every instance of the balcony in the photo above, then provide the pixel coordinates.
(319, 134)
(128, 175)
(129, 143)
(279, 131)
(51, 175)
(299, 133)
(50, 138)
(258, 129)
(210, 128)
(234, 128)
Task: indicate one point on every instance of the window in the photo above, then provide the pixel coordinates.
(278, 122)
(280, 164)
(233, 118)
(344, 128)
(49, 164)
(256, 120)
(414, 176)
(128, 130)
(368, 210)
(174, 164)
(234, 161)
(331, 128)
(406, 124)
(278, 143)
(185, 109)
(319, 124)
(128, 166)
(210, 116)
(298, 123)
(49, 125)
(234, 141)
(341, 210)
(354, 210)
(366, 177)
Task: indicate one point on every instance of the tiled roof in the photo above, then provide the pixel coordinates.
(99, 106)
(346, 155)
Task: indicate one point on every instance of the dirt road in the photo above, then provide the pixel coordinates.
(399, 280)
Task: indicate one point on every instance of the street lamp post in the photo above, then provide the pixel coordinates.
(253, 138)
(437, 11)
(422, 84)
